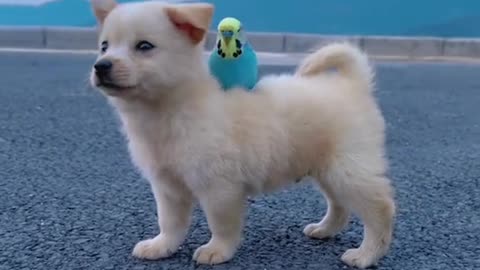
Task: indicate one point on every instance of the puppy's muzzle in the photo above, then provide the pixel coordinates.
(107, 75)
(103, 69)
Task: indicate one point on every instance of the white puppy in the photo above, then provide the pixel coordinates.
(194, 142)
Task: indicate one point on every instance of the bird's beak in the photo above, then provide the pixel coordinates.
(227, 35)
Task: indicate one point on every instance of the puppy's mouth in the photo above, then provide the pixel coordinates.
(112, 86)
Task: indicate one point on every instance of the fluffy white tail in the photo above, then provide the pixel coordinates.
(347, 59)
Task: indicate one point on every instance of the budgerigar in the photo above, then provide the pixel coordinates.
(233, 61)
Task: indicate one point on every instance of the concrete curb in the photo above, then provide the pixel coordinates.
(71, 38)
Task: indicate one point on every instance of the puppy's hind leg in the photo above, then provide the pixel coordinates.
(334, 220)
(368, 195)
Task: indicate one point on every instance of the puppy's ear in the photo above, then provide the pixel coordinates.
(102, 8)
(193, 20)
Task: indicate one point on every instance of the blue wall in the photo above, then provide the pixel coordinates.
(447, 18)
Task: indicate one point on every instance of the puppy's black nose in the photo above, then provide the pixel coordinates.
(103, 67)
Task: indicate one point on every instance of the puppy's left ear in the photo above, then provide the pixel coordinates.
(102, 8)
(193, 20)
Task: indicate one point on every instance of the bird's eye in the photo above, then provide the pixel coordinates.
(144, 46)
(104, 46)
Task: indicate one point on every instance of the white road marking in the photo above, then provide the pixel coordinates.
(25, 2)
(264, 57)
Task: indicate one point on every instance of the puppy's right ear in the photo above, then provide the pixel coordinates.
(192, 19)
(102, 8)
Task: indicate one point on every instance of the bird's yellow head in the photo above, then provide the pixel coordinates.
(229, 29)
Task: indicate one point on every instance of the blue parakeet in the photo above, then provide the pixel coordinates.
(233, 62)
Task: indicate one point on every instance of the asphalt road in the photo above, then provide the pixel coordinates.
(70, 198)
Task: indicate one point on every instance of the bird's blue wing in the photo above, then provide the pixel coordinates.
(251, 66)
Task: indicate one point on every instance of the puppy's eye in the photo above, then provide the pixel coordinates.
(104, 46)
(144, 46)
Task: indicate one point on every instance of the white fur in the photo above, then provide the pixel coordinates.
(193, 141)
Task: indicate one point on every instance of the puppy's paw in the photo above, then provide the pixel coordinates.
(213, 253)
(359, 258)
(317, 231)
(154, 249)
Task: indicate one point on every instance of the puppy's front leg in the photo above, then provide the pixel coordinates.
(225, 214)
(174, 207)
